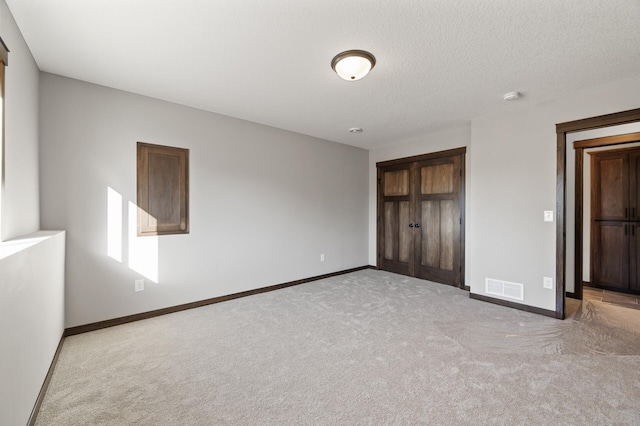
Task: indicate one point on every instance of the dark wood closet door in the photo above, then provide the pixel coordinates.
(395, 213)
(420, 216)
(438, 243)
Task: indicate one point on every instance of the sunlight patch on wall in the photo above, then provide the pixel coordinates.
(143, 251)
(114, 224)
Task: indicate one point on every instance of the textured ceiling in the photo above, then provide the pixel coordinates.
(439, 62)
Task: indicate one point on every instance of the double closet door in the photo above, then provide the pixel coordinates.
(615, 219)
(420, 220)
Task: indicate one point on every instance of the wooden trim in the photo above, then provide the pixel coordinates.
(463, 221)
(514, 305)
(579, 216)
(562, 129)
(573, 295)
(172, 309)
(561, 214)
(45, 384)
(430, 156)
(607, 140)
(379, 209)
(4, 52)
(606, 120)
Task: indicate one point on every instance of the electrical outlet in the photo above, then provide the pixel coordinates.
(322, 257)
(139, 285)
(547, 282)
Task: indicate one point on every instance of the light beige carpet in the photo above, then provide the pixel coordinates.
(367, 348)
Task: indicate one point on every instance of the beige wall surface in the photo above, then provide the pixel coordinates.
(20, 202)
(513, 174)
(264, 203)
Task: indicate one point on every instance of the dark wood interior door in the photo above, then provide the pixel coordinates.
(438, 215)
(395, 215)
(615, 191)
(420, 216)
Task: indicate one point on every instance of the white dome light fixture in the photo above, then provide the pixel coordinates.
(353, 65)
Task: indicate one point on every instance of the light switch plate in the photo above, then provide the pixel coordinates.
(139, 285)
(547, 282)
(548, 216)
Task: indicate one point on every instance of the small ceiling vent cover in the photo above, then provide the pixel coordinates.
(504, 289)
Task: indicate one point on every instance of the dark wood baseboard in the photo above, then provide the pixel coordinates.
(514, 305)
(146, 315)
(45, 385)
(587, 284)
(572, 295)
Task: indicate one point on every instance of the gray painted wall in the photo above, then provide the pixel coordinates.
(511, 181)
(31, 319)
(31, 266)
(265, 203)
(513, 174)
(20, 205)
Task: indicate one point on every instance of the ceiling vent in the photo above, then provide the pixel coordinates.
(504, 289)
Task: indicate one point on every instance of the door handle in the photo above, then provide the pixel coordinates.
(411, 225)
(417, 225)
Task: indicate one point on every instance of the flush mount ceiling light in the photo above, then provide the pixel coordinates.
(355, 130)
(353, 65)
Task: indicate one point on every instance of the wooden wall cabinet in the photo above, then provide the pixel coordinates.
(420, 216)
(163, 190)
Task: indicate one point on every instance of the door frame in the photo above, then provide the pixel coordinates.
(579, 147)
(562, 129)
(430, 156)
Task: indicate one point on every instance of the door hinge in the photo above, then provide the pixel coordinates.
(460, 268)
(460, 221)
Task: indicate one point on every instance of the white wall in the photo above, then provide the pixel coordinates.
(265, 203)
(451, 138)
(20, 204)
(31, 319)
(31, 266)
(513, 174)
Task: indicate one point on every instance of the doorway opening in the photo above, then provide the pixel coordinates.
(562, 132)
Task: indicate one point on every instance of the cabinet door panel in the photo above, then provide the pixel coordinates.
(610, 186)
(610, 254)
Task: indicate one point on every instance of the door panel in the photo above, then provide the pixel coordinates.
(405, 239)
(447, 215)
(634, 258)
(610, 255)
(438, 213)
(610, 185)
(395, 236)
(396, 183)
(437, 179)
(390, 228)
(430, 238)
